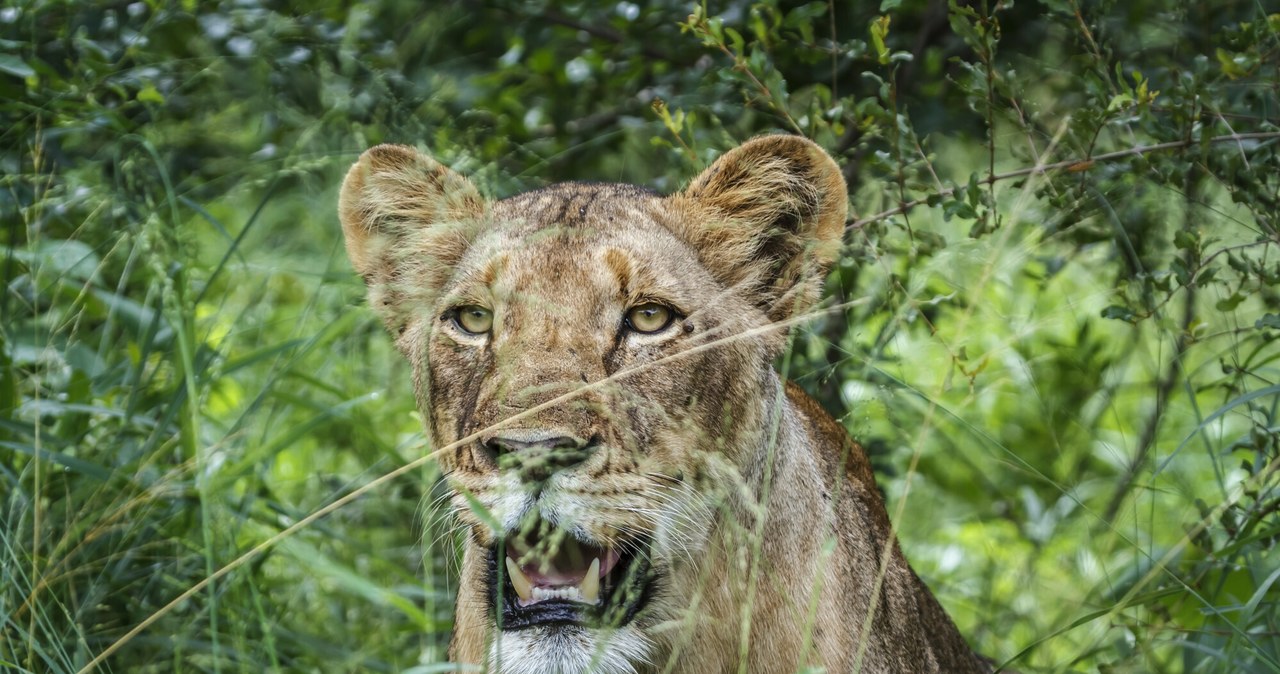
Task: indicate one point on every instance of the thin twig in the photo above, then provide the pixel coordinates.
(607, 34)
(740, 64)
(1072, 164)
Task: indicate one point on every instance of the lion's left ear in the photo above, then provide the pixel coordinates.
(768, 218)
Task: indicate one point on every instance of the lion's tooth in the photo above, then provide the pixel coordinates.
(518, 580)
(589, 590)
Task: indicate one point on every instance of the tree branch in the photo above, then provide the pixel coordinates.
(1069, 164)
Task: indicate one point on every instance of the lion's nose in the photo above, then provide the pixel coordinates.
(537, 456)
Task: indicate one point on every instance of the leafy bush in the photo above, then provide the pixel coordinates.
(1054, 325)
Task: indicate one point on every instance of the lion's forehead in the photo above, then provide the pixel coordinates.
(572, 215)
(581, 241)
(599, 205)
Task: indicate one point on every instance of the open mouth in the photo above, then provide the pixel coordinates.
(551, 578)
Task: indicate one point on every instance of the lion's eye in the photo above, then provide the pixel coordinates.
(474, 319)
(649, 318)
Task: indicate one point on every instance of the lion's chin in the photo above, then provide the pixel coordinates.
(559, 649)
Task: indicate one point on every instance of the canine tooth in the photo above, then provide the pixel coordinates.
(518, 580)
(590, 588)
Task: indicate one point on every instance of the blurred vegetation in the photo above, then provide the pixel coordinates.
(1060, 341)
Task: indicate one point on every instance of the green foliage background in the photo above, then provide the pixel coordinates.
(1054, 324)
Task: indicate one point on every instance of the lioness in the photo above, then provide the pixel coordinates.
(637, 487)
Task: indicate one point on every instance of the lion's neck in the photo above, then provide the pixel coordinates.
(800, 583)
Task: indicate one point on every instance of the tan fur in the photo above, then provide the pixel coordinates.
(701, 446)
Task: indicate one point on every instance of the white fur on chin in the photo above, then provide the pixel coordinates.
(566, 649)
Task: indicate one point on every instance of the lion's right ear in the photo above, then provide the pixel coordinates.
(768, 217)
(407, 220)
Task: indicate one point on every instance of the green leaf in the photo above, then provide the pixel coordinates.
(1229, 303)
(15, 66)
(1180, 272)
(1268, 321)
(59, 257)
(735, 38)
(87, 468)
(1119, 313)
(149, 94)
(72, 258)
(1187, 240)
(880, 31)
(1233, 65)
(1119, 102)
(962, 20)
(137, 318)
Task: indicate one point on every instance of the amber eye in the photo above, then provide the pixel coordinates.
(649, 318)
(474, 319)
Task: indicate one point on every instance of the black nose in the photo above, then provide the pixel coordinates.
(537, 457)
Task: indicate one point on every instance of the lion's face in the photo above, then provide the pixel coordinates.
(593, 359)
(591, 408)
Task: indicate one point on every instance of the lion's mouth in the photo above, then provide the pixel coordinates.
(557, 579)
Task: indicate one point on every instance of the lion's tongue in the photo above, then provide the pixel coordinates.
(572, 573)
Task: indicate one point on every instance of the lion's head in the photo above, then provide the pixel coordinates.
(597, 361)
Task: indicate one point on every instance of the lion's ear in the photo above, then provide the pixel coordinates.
(407, 221)
(772, 213)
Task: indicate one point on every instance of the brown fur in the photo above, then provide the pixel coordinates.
(700, 444)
